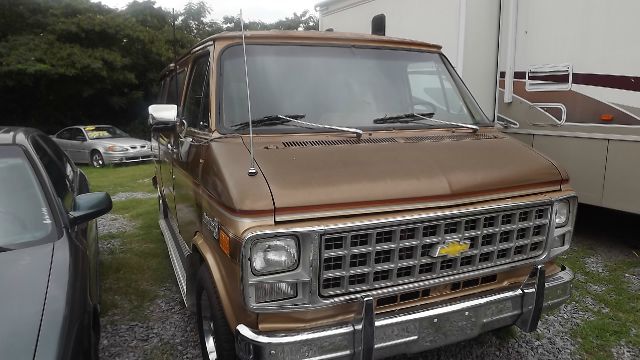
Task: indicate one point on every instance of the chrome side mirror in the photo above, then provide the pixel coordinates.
(163, 114)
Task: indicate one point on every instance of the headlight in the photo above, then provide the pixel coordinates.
(116, 148)
(562, 213)
(270, 256)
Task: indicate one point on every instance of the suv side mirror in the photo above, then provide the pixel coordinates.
(89, 206)
(163, 114)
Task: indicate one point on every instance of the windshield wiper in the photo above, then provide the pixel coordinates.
(273, 120)
(412, 117)
(3, 249)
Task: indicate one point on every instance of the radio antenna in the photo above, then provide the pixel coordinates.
(252, 164)
(175, 54)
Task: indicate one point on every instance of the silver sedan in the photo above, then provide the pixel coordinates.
(102, 144)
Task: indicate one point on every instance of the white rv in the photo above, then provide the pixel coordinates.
(562, 76)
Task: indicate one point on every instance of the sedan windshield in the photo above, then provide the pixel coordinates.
(342, 86)
(104, 132)
(24, 214)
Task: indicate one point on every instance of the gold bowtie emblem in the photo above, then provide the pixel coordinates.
(450, 248)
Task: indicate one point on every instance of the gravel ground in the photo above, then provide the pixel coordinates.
(169, 331)
(132, 195)
(634, 280)
(112, 223)
(595, 264)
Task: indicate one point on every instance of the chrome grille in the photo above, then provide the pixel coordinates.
(381, 257)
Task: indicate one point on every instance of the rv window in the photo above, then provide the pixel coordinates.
(379, 25)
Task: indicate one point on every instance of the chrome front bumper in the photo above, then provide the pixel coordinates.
(414, 329)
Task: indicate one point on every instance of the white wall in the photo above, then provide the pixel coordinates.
(434, 21)
(595, 36)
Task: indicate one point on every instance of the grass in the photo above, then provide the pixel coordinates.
(121, 178)
(609, 328)
(131, 277)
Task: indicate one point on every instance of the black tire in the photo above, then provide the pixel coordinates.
(162, 206)
(211, 321)
(96, 158)
(95, 338)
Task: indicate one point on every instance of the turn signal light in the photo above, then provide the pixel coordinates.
(606, 117)
(225, 242)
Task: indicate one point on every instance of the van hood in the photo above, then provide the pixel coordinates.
(336, 174)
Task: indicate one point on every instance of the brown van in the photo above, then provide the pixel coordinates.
(342, 196)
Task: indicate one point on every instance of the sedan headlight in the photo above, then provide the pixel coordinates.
(269, 256)
(563, 210)
(116, 148)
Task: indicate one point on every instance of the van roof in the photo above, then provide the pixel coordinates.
(319, 36)
(310, 36)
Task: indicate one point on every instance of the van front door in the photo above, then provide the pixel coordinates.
(194, 123)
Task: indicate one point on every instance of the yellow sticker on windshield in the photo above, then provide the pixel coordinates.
(98, 134)
(89, 128)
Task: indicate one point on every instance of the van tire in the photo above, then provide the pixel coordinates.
(211, 320)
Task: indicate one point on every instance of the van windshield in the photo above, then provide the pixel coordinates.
(342, 86)
(24, 214)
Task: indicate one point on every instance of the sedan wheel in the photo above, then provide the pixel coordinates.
(96, 159)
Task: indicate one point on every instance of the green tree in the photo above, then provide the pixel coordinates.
(65, 62)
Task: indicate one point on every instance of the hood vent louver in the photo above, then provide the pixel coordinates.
(317, 143)
(388, 140)
(451, 137)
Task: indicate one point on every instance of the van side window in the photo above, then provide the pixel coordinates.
(196, 106)
(174, 90)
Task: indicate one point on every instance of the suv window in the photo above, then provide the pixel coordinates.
(174, 90)
(58, 168)
(196, 106)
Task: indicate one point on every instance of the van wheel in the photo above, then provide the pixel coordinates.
(216, 338)
(96, 159)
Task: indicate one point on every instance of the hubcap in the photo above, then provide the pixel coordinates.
(97, 160)
(206, 322)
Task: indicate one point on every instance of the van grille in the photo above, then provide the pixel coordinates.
(387, 256)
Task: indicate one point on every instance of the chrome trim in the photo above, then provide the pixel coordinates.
(364, 330)
(575, 134)
(533, 302)
(410, 330)
(549, 70)
(178, 268)
(543, 106)
(307, 273)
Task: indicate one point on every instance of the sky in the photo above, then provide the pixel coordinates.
(264, 10)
